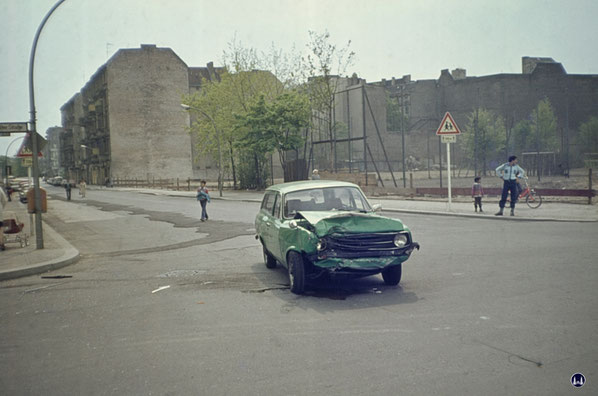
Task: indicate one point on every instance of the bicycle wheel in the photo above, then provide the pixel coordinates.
(533, 199)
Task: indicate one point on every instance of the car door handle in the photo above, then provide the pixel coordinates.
(268, 223)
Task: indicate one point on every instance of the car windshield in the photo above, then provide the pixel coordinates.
(325, 199)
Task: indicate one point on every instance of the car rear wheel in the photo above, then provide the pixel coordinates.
(268, 259)
(296, 272)
(392, 275)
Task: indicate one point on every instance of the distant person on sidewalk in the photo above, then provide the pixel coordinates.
(509, 172)
(68, 187)
(477, 192)
(3, 201)
(203, 196)
(315, 175)
(9, 191)
(82, 188)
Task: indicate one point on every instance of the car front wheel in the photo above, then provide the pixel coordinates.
(296, 272)
(392, 275)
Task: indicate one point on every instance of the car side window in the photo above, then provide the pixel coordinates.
(268, 202)
(277, 206)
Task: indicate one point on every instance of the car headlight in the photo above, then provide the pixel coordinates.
(321, 245)
(401, 240)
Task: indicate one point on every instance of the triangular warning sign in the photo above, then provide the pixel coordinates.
(448, 126)
(25, 149)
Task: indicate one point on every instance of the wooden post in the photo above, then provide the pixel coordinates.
(188, 184)
(177, 184)
(410, 179)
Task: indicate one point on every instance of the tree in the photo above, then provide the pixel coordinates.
(483, 138)
(588, 140)
(588, 135)
(325, 64)
(275, 126)
(544, 127)
(217, 106)
(395, 117)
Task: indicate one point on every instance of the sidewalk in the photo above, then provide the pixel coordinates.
(460, 206)
(16, 262)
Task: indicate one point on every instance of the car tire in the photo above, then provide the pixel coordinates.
(268, 259)
(392, 275)
(296, 268)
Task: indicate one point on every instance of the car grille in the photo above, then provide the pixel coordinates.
(379, 241)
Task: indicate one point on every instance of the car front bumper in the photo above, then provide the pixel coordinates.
(366, 261)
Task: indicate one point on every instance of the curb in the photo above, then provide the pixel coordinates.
(70, 256)
(424, 212)
(488, 217)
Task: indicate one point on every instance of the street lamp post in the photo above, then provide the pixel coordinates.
(188, 108)
(39, 239)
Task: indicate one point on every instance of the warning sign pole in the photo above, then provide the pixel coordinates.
(448, 131)
(448, 165)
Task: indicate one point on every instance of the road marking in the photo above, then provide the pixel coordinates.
(161, 288)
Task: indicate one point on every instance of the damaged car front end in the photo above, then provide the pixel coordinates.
(329, 228)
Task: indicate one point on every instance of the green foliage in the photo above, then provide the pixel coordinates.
(588, 135)
(394, 115)
(275, 126)
(539, 131)
(483, 138)
(254, 170)
(16, 166)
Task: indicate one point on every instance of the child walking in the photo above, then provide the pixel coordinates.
(203, 197)
(477, 192)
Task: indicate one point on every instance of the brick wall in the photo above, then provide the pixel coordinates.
(146, 122)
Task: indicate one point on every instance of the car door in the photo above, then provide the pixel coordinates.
(264, 221)
(276, 244)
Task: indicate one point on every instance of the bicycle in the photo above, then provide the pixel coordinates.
(532, 198)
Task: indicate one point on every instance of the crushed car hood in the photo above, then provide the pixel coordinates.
(326, 223)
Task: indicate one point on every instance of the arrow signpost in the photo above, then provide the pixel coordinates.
(448, 131)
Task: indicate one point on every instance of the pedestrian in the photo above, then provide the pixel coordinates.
(203, 196)
(67, 188)
(3, 201)
(477, 192)
(9, 191)
(509, 172)
(315, 175)
(82, 188)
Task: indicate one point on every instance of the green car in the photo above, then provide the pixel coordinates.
(321, 227)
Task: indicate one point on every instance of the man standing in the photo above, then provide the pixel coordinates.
(509, 172)
(67, 187)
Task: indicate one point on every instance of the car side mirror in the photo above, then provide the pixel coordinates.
(293, 224)
(377, 207)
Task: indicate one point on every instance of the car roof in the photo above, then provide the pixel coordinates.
(308, 184)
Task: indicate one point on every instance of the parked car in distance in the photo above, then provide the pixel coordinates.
(324, 227)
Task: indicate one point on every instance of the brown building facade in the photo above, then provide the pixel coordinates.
(127, 121)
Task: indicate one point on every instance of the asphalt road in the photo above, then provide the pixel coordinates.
(161, 303)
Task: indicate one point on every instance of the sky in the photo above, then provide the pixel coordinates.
(389, 38)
